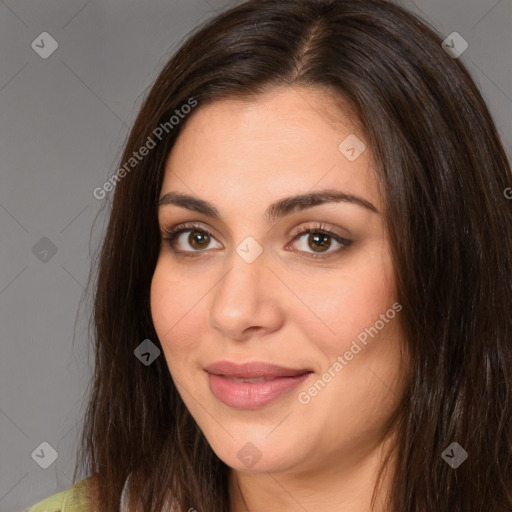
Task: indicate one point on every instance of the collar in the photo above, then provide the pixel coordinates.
(123, 505)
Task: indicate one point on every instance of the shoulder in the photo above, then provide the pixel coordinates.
(74, 499)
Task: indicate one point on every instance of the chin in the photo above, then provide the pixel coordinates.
(255, 454)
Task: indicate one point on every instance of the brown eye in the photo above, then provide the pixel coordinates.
(319, 241)
(198, 239)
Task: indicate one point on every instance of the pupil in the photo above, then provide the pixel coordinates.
(322, 238)
(197, 238)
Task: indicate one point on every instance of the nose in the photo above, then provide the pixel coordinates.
(247, 299)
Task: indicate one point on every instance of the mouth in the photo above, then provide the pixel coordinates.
(254, 384)
(253, 370)
(247, 379)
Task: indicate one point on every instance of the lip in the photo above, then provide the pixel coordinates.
(252, 369)
(276, 382)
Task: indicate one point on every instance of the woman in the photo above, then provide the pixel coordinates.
(303, 297)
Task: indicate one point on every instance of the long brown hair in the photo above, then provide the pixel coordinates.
(443, 172)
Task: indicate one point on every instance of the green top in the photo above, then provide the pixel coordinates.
(71, 500)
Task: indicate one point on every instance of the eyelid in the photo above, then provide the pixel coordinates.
(317, 227)
(171, 233)
(185, 226)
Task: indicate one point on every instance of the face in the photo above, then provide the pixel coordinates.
(246, 287)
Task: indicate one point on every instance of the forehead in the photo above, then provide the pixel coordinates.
(285, 141)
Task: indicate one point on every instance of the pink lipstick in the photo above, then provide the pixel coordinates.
(253, 384)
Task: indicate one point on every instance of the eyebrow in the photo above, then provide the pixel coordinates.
(276, 210)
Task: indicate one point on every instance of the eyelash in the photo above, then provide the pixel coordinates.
(171, 234)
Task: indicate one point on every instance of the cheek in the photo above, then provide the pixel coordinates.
(332, 307)
(162, 304)
(174, 310)
(348, 302)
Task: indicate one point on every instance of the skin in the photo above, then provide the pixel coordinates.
(285, 307)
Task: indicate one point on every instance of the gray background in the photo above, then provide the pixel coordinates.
(63, 121)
